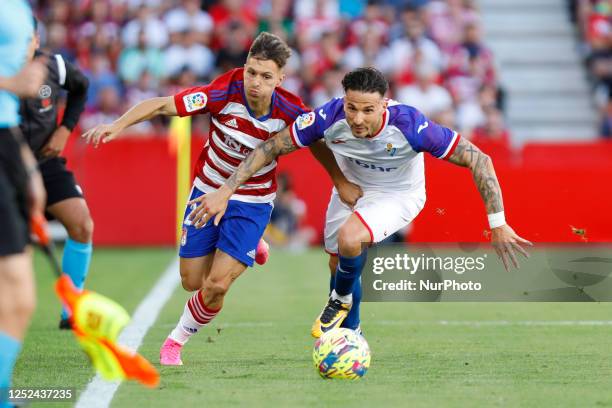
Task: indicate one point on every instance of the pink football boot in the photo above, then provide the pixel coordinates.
(170, 353)
(262, 253)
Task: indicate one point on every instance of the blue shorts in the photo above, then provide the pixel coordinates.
(237, 234)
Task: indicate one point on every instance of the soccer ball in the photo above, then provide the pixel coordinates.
(341, 353)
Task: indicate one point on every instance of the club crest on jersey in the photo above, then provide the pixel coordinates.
(305, 120)
(195, 101)
(391, 150)
(44, 92)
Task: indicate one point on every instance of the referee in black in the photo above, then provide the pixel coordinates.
(47, 140)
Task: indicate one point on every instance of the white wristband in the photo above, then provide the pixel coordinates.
(497, 220)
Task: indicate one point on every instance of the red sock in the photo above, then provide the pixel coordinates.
(201, 314)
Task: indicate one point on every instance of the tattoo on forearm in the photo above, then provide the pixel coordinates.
(468, 155)
(262, 155)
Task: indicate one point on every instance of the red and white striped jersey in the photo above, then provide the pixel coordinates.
(235, 132)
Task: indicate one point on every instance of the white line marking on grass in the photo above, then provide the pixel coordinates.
(99, 392)
(480, 323)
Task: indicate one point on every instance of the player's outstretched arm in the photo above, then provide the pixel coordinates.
(214, 204)
(140, 112)
(349, 192)
(503, 237)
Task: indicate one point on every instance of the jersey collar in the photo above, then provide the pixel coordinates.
(385, 121)
(261, 118)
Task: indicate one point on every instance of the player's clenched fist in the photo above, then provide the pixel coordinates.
(349, 193)
(101, 133)
(209, 205)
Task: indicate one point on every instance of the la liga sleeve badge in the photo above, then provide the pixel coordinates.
(195, 101)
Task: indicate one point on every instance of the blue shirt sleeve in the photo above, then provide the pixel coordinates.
(311, 126)
(424, 135)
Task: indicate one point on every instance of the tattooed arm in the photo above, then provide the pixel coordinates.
(503, 238)
(215, 203)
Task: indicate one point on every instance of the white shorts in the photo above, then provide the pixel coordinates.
(383, 213)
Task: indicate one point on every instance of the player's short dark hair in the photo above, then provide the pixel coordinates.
(270, 47)
(366, 80)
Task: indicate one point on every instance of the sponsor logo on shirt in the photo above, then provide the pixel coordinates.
(232, 123)
(372, 166)
(305, 120)
(195, 101)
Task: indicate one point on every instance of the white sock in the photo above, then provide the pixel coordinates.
(189, 324)
(186, 327)
(344, 299)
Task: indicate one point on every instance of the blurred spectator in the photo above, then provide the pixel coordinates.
(447, 19)
(189, 17)
(426, 95)
(284, 228)
(276, 17)
(148, 22)
(372, 22)
(149, 47)
(107, 108)
(57, 41)
(314, 18)
(413, 48)
(320, 57)
(330, 88)
(188, 53)
(472, 57)
(606, 123)
(133, 61)
(144, 88)
(369, 52)
(493, 132)
(228, 12)
(100, 76)
(234, 55)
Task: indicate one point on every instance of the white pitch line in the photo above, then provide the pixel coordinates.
(480, 323)
(99, 392)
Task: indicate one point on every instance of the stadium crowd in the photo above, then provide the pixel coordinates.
(432, 51)
(593, 19)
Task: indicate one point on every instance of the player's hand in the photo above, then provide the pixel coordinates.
(209, 205)
(29, 80)
(101, 134)
(506, 242)
(56, 143)
(349, 192)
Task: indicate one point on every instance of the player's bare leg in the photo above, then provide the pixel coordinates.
(203, 306)
(351, 258)
(17, 293)
(17, 302)
(74, 215)
(195, 270)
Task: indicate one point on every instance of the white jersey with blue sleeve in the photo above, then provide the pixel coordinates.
(390, 160)
(16, 29)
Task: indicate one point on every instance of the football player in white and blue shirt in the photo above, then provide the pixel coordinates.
(379, 145)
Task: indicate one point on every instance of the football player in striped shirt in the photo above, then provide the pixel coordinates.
(379, 145)
(247, 106)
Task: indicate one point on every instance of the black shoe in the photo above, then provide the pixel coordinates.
(332, 316)
(65, 324)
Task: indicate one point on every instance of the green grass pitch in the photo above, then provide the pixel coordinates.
(258, 351)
